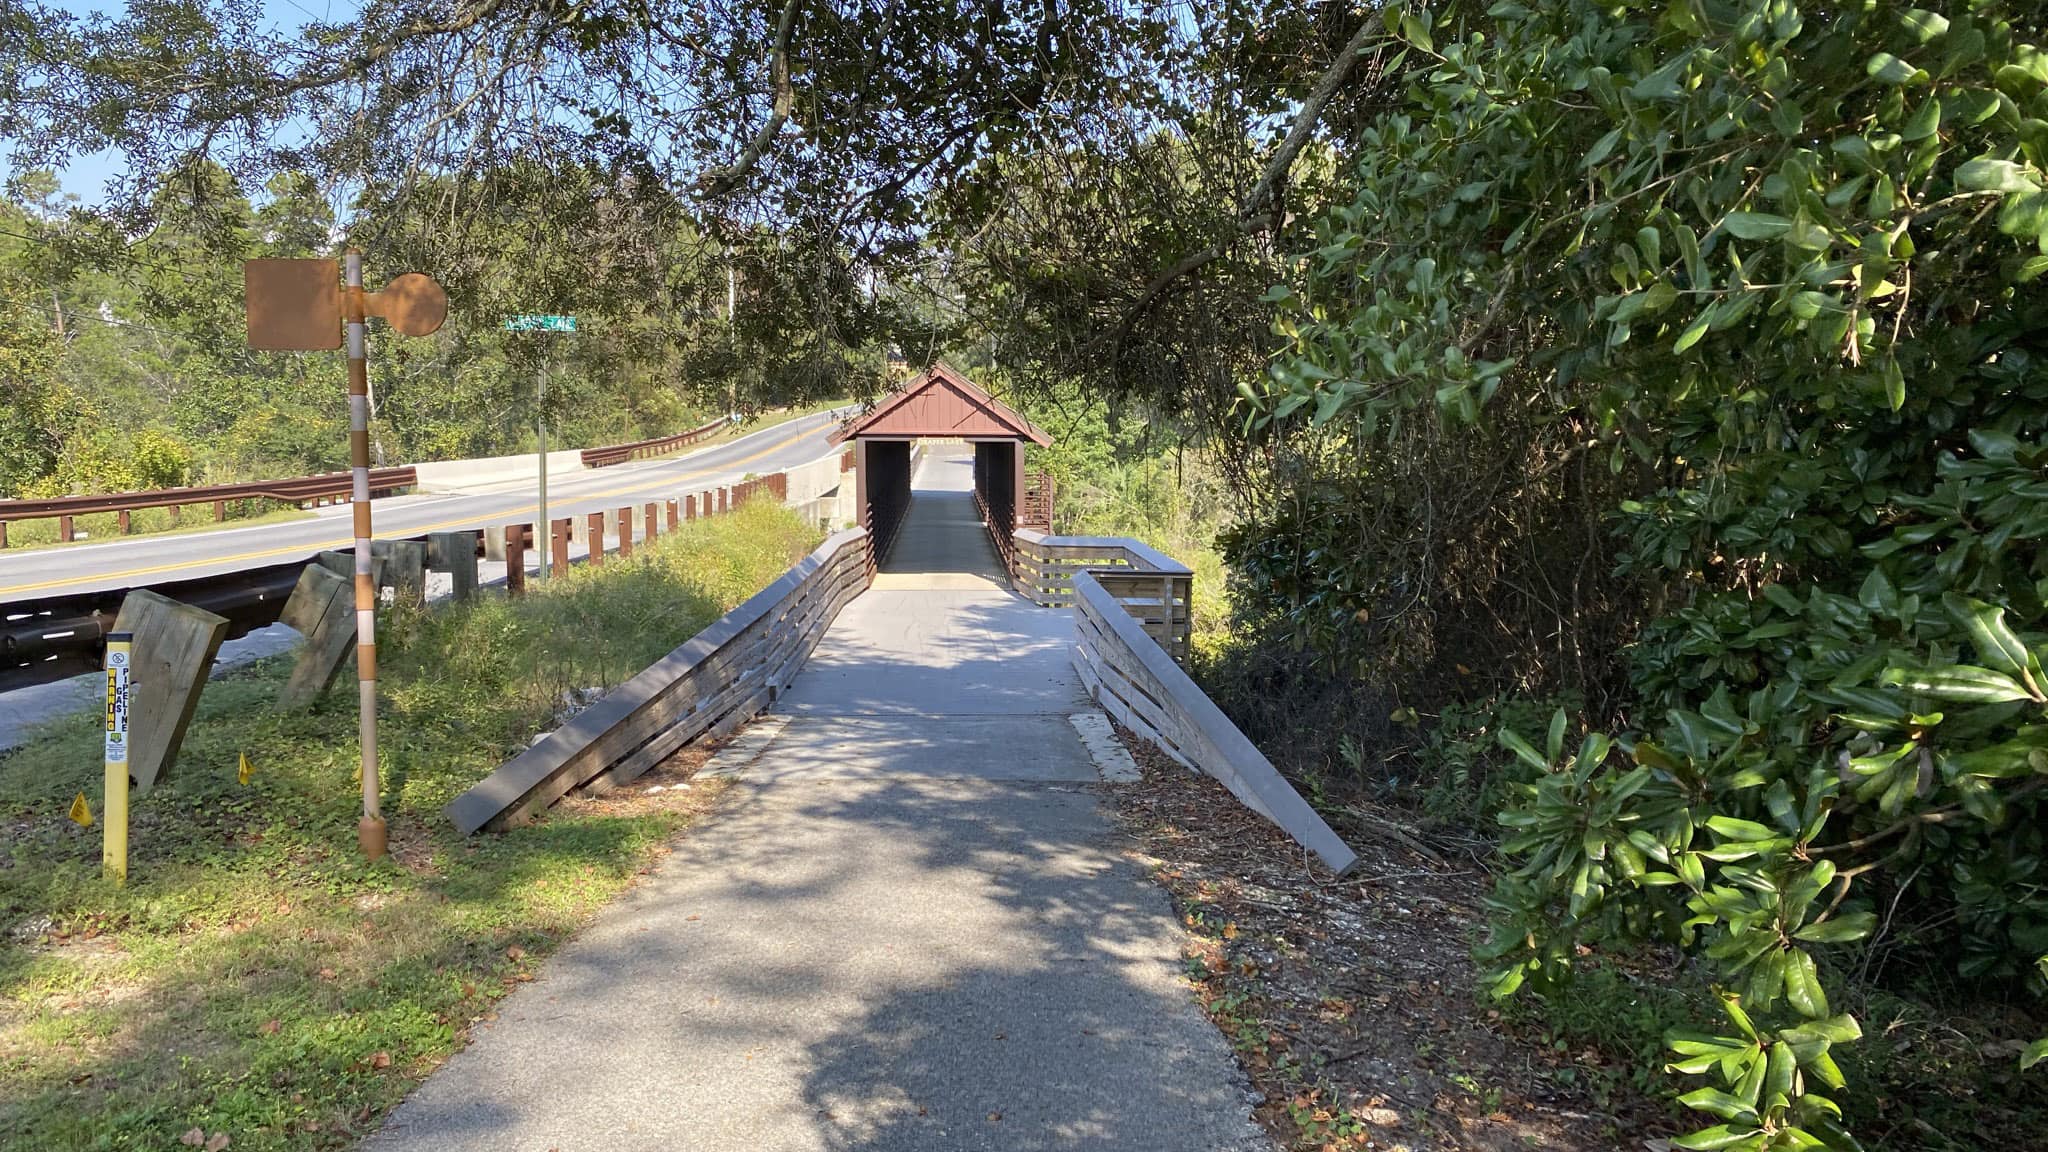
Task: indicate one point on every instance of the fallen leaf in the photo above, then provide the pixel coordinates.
(270, 1027)
(219, 1141)
(515, 952)
(194, 1138)
(381, 1060)
(327, 973)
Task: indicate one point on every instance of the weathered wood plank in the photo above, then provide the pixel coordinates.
(322, 609)
(1222, 751)
(174, 649)
(646, 706)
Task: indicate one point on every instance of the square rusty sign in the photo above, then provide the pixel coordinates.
(294, 305)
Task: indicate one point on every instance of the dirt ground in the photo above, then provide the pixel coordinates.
(1352, 1003)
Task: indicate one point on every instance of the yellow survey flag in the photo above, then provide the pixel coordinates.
(246, 771)
(81, 812)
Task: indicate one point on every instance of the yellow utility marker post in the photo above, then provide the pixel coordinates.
(114, 844)
(296, 305)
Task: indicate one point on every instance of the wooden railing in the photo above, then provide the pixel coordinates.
(1035, 506)
(1155, 589)
(1129, 674)
(714, 682)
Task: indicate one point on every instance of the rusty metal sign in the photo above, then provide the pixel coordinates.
(413, 304)
(293, 305)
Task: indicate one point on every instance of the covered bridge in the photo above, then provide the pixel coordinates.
(940, 403)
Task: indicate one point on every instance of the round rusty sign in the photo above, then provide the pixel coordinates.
(413, 304)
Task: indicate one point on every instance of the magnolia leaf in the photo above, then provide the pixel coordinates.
(1924, 25)
(1842, 929)
(1886, 68)
(1987, 174)
(1521, 749)
(1719, 1103)
(1756, 225)
(1803, 987)
(1995, 643)
(1715, 1138)
(1959, 682)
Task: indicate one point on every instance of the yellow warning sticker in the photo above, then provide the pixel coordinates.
(246, 770)
(81, 812)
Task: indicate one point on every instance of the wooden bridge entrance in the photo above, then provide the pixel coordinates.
(943, 404)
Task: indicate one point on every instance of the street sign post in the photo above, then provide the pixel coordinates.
(540, 322)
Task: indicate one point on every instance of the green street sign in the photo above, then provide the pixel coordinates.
(532, 322)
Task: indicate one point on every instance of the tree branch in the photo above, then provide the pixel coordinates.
(719, 181)
(1255, 216)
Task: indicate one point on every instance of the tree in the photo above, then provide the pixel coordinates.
(1774, 271)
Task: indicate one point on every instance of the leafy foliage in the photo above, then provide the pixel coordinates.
(1771, 267)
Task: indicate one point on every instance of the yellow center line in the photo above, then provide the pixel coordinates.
(510, 516)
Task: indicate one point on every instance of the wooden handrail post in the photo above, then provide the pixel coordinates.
(558, 547)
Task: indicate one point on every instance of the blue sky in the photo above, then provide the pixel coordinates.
(86, 176)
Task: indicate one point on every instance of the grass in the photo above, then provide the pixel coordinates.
(254, 978)
(100, 527)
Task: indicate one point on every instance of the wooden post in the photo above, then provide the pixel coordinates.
(122, 519)
(515, 559)
(3, 533)
(860, 483)
(403, 569)
(177, 514)
(596, 539)
(558, 546)
(174, 649)
(675, 515)
(625, 532)
(689, 508)
(455, 554)
(64, 532)
(321, 610)
(220, 511)
(653, 528)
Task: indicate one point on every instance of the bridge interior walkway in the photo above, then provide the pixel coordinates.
(911, 928)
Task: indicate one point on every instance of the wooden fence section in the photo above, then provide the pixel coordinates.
(715, 681)
(1132, 678)
(1154, 588)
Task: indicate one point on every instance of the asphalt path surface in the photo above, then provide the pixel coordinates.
(911, 927)
(139, 561)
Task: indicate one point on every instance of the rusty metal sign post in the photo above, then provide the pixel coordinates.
(300, 305)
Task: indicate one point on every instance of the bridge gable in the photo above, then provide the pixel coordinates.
(942, 402)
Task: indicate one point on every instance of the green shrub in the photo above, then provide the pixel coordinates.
(1772, 270)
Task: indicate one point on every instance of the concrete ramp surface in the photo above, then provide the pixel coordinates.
(911, 927)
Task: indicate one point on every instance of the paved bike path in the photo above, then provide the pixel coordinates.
(910, 927)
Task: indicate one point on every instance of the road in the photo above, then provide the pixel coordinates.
(143, 560)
